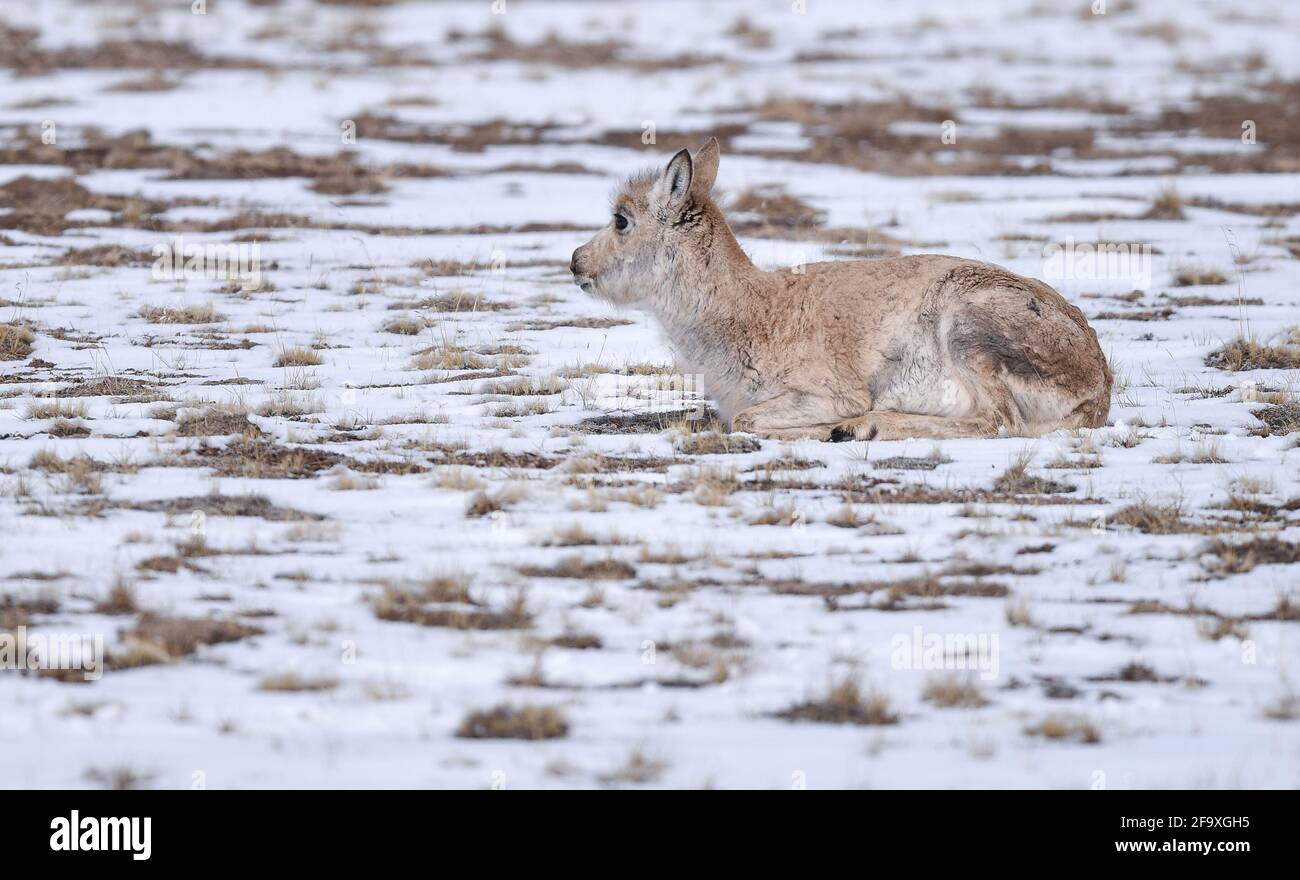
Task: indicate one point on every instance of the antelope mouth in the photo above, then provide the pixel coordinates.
(585, 284)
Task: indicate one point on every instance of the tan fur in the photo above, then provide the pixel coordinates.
(920, 346)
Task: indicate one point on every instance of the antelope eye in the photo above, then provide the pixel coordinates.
(620, 222)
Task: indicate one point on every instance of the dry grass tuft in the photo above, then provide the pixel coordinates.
(1168, 205)
(1192, 276)
(298, 357)
(157, 639)
(1155, 518)
(508, 722)
(581, 569)
(1066, 728)
(217, 421)
(121, 599)
(483, 504)
(715, 443)
(445, 601)
(1285, 708)
(202, 314)
(405, 326)
(15, 342)
(954, 692)
(845, 703)
(639, 769)
(266, 460)
(57, 409)
(1278, 419)
(1236, 557)
(292, 682)
(1251, 354)
(1016, 480)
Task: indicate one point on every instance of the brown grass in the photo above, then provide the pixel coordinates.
(15, 342)
(107, 386)
(578, 568)
(715, 443)
(121, 599)
(1156, 518)
(508, 722)
(1016, 480)
(954, 692)
(1278, 419)
(1251, 354)
(759, 208)
(266, 460)
(1192, 276)
(292, 682)
(217, 421)
(1066, 728)
(405, 326)
(56, 409)
(445, 602)
(1236, 557)
(844, 703)
(198, 314)
(157, 639)
(298, 357)
(639, 769)
(1168, 205)
(110, 255)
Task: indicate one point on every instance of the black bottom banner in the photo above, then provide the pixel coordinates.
(242, 828)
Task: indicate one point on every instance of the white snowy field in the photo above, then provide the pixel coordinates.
(400, 506)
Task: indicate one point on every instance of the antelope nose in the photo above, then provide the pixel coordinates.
(573, 263)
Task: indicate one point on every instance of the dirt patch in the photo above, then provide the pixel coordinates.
(217, 422)
(644, 423)
(266, 460)
(110, 255)
(715, 443)
(555, 51)
(1278, 419)
(425, 609)
(581, 569)
(458, 301)
(40, 205)
(107, 386)
(910, 463)
(494, 458)
(1136, 315)
(583, 323)
(258, 506)
(21, 52)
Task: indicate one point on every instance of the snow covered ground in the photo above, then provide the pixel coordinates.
(400, 471)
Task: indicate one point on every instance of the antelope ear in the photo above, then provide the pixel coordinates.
(705, 165)
(669, 191)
